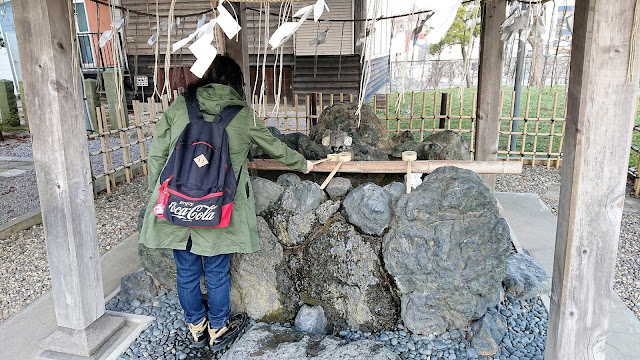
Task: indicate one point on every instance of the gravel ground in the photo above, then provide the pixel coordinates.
(24, 270)
(22, 191)
(540, 181)
(525, 338)
(19, 195)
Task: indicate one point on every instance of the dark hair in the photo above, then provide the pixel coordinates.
(223, 70)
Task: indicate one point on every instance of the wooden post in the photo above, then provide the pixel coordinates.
(489, 80)
(61, 156)
(444, 99)
(238, 47)
(594, 173)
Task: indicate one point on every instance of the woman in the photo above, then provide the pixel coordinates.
(206, 251)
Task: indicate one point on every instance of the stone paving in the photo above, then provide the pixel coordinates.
(13, 166)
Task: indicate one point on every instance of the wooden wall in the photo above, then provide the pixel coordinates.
(138, 28)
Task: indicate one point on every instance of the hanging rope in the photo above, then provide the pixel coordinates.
(365, 59)
(75, 65)
(634, 37)
(167, 57)
(156, 52)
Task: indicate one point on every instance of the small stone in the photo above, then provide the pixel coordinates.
(326, 210)
(288, 179)
(266, 194)
(311, 319)
(338, 187)
(138, 285)
(302, 197)
(369, 207)
(394, 341)
(395, 190)
(525, 278)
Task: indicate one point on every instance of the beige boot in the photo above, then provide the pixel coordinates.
(199, 334)
(214, 334)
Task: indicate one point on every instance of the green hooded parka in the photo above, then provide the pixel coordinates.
(241, 236)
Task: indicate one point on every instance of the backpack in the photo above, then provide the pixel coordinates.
(197, 183)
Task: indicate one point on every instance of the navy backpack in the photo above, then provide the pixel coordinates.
(197, 183)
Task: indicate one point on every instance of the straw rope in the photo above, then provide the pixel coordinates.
(634, 40)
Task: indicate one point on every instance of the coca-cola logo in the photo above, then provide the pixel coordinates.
(188, 211)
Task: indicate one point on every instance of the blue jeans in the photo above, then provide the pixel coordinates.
(190, 268)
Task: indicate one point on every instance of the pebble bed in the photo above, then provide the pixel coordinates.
(165, 338)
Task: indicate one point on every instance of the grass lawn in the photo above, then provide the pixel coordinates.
(544, 103)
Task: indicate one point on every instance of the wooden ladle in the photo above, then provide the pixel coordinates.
(409, 156)
(340, 158)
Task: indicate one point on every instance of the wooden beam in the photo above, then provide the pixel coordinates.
(238, 47)
(489, 81)
(61, 158)
(600, 116)
(399, 167)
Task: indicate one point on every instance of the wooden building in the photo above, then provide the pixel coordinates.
(331, 67)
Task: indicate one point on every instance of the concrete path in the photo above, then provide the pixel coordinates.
(21, 334)
(535, 228)
(14, 166)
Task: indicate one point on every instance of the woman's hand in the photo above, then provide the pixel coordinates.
(309, 166)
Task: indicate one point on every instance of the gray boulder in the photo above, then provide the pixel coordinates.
(338, 187)
(260, 282)
(488, 333)
(267, 342)
(138, 285)
(266, 194)
(395, 190)
(302, 197)
(341, 271)
(369, 208)
(288, 179)
(525, 277)
(160, 264)
(446, 249)
(326, 210)
(445, 145)
(311, 319)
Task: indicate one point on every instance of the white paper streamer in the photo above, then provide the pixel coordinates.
(284, 32)
(108, 35)
(204, 52)
(200, 31)
(318, 9)
(228, 24)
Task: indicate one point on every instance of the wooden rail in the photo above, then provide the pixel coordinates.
(398, 167)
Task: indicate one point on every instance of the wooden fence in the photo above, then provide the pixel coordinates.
(536, 140)
(634, 161)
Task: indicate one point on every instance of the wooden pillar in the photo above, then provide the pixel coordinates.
(60, 152)
(600, 115)
(238, 47)
(489, 80)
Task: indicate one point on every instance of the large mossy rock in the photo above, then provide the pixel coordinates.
(341, 271)
(260, 282)
(364, 129)
(447, 249)
(445, 145)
